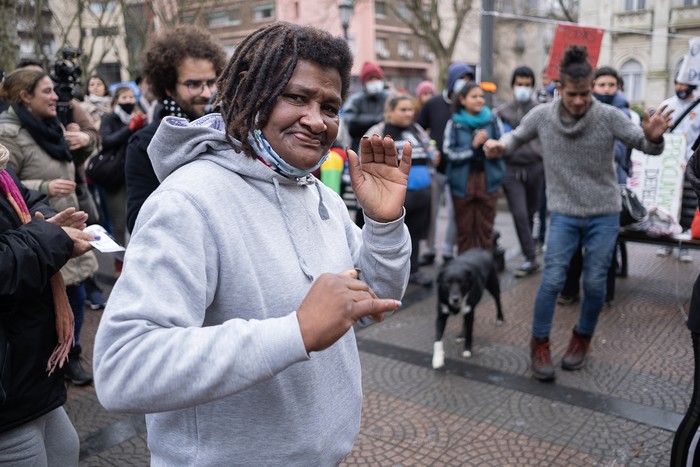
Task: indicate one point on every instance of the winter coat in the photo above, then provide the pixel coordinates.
(29, 255)
(36, 168)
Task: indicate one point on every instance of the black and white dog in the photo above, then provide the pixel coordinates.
(461, 283)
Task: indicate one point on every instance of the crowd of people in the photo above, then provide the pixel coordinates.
(266, 272)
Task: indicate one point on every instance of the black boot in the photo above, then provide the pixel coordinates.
(74, 370)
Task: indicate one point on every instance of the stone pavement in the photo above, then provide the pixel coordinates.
(621, 409)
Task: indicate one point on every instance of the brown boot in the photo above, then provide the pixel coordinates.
(541, 357)
(576, 353)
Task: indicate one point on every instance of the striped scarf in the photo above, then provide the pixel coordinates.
(62, 309)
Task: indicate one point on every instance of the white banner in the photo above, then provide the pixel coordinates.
(658, 180)
(689, 72)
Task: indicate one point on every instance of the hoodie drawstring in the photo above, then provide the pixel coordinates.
(288, 223)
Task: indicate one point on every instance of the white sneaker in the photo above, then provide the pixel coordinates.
(438, 355)
(664, 251)
(684, 256)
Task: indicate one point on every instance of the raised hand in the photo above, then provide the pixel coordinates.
(656, 125)
(378, 178)
(333, 305)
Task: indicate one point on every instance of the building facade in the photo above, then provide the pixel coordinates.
(645, 40)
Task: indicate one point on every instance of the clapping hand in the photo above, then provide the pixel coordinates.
(378, 178)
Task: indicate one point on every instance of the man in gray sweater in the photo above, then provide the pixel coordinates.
(578, 136)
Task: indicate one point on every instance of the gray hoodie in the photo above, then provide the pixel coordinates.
(200, 332)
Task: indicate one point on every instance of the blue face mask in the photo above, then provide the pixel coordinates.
(266, 153)
(605, 98)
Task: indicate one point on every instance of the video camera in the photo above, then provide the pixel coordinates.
(66, 74)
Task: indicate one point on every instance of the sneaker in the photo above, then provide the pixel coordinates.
(95, 300)
(427, 259)
(75, 373)
(421, 279)
(576, 353)
(684, 256)
(541, 359)
(567, 300)
(527, 268)
(664, 251)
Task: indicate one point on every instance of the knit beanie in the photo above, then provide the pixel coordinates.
(370, 70)
(425, 87)
(456, 71)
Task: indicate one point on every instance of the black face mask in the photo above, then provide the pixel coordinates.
(128, 108)
(605, 98)
(683, 95)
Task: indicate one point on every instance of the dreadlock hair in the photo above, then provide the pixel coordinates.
(261, 67)
(574, 65)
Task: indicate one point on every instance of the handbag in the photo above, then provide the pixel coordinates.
(107, 170)
(87, 203)
(633, 211)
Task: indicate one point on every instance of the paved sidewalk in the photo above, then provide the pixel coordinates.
(621, 409)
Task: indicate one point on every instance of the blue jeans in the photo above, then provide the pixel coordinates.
(76, 298)
(597, 235)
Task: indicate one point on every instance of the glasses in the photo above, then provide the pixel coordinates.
(196, 87)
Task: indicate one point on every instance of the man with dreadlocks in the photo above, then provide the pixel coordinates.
(578, 136)
(181, 67)
(252, 360)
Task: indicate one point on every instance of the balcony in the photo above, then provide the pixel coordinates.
(687, 17)
(640, 20)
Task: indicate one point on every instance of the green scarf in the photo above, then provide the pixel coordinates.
(473, 121)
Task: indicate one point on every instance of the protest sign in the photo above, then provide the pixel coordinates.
(658, 180)
(689, 72)
(566, 35)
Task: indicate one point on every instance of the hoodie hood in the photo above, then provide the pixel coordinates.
(456, 71)
(178, 142)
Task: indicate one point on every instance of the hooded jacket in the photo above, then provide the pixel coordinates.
(216, 357)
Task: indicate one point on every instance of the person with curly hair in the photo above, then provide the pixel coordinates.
(252, 359)
(181, 67)
(578, 135)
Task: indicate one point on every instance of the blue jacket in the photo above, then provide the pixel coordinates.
(458, 148)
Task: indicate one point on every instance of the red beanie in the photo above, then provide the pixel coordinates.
(370, 70)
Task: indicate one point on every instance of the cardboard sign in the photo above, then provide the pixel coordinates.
(658, 180)
(689, 72)
(567, 35)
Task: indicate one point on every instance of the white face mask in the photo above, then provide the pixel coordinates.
(374, 87)
(459, 85)
(522, 93)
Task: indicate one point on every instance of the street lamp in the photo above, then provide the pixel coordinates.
(345, 8)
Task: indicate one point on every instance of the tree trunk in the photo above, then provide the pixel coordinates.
(9, 43)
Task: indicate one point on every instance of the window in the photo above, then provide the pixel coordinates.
(381, 47)
(99, 7)
(631, 73)
(691, 2)
(380, 9)
(264, 12)
(633, 5)
(224, 18)
(105, 31)
(110, 71)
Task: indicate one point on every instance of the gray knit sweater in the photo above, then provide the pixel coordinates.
(578, 158)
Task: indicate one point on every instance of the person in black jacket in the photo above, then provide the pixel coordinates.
(116, 128)
(34, 427)
(181, 67)
(684, 450)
